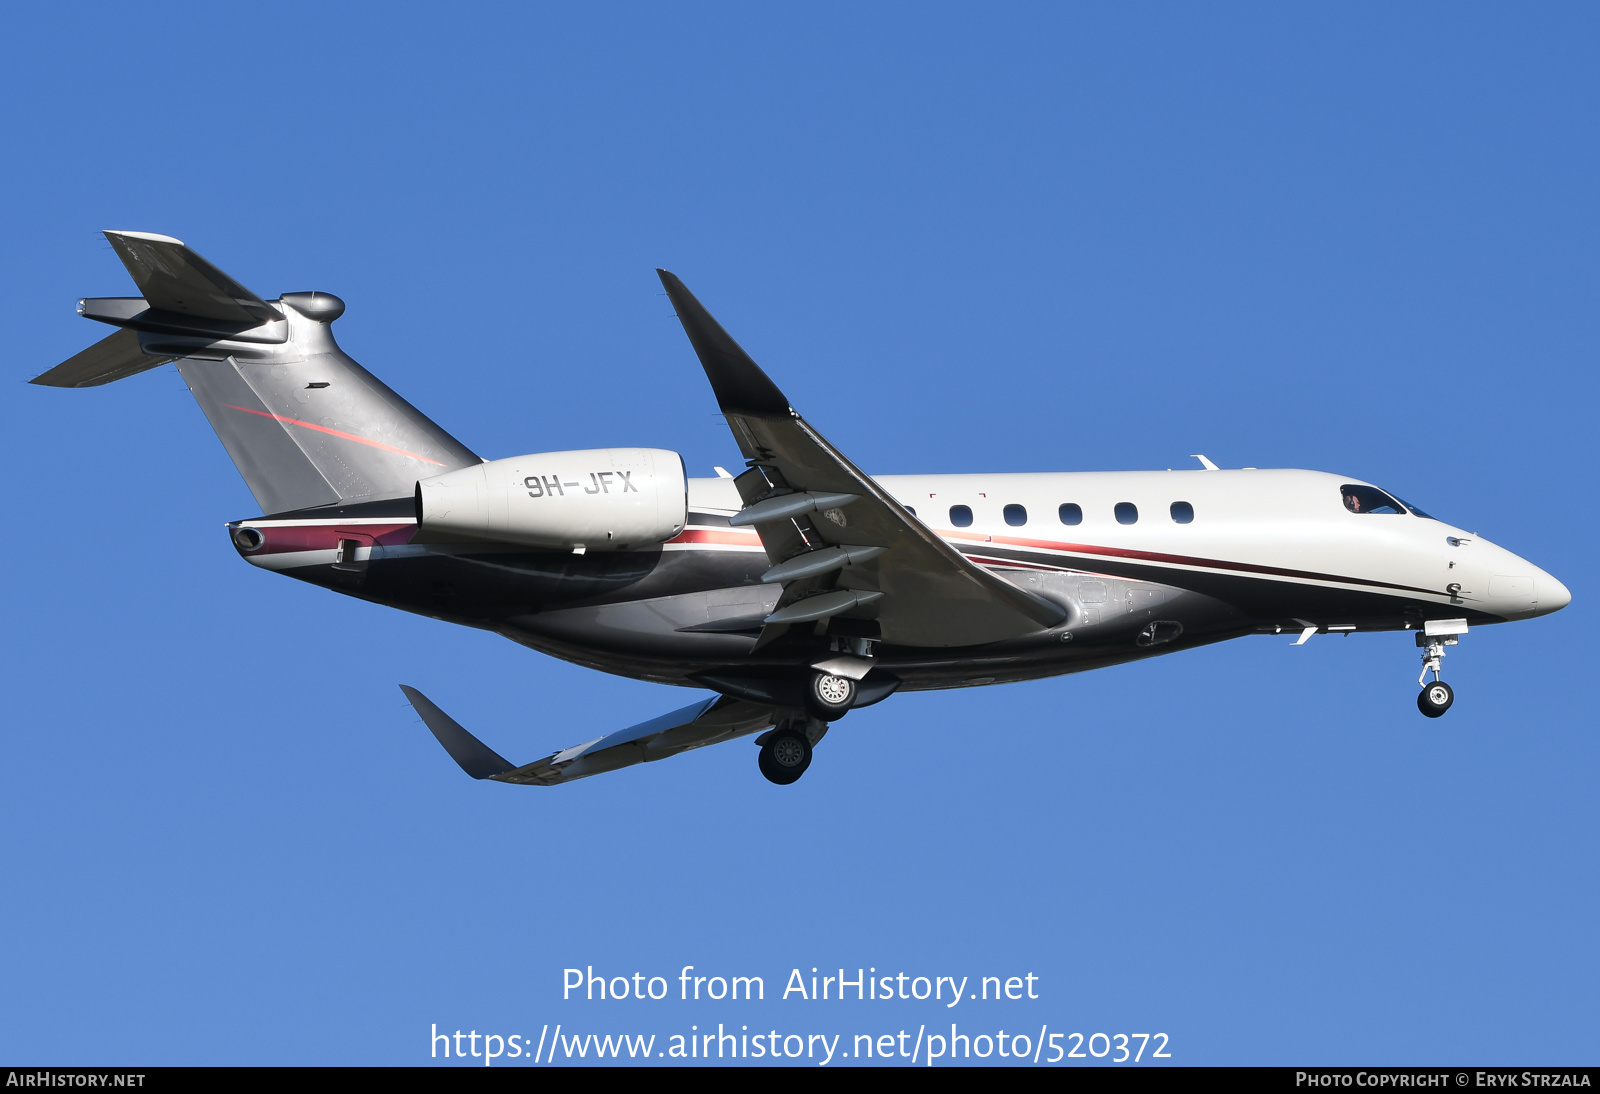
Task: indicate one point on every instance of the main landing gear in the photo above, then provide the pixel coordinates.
(829, 696)
(1436, 697)
(785, 756)
(786, 750)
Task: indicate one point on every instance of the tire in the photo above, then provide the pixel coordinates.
(830, 697)
(1435, 699)
(785, 757)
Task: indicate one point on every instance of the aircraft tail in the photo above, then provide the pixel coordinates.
(305, 425)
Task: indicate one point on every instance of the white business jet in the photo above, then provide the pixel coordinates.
(792, 592)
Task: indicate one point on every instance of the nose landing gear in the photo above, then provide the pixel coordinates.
(1436, 697)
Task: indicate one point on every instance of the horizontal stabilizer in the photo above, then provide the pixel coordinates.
(476, 758)
(112, 358)
(173, 278)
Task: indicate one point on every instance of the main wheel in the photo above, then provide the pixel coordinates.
(1435, 699)
(785, 756)
(830, 696)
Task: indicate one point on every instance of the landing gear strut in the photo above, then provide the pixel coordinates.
(1436, 697)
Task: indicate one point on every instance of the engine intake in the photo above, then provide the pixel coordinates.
(601, 499)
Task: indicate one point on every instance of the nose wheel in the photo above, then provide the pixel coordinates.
(1435, 699)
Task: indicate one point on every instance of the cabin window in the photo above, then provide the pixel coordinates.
(1127, 513)
(1369, 499)
(1182, 512)
(1071, 513)
(1016, 515)
(961, 516)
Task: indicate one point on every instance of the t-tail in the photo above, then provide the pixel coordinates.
(306, 426)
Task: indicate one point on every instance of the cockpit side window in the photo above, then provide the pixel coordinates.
(1369, 499)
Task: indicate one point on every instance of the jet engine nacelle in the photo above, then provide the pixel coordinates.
(601, 499)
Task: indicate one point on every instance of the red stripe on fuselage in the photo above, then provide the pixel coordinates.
(281, 539)
(1092, 550)
(334, 433)
(1178, 560)
(326, 537)
(1018, 564)
(707, 535)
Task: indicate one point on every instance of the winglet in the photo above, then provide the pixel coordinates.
(738, 382)
(476, 758)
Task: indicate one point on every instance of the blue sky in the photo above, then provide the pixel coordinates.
(1352, 238)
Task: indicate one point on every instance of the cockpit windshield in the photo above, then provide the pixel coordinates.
(1369, 499)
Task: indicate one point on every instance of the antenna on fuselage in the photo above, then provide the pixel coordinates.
(1205, 462)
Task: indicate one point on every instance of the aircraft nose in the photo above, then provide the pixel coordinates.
(1553, 596)
(1515, 587)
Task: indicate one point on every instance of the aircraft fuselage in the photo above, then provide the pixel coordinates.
(1145, 563)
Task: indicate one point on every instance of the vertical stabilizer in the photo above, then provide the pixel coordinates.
(305, 425)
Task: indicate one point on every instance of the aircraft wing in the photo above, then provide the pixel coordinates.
(843, 548)
(709, 721)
